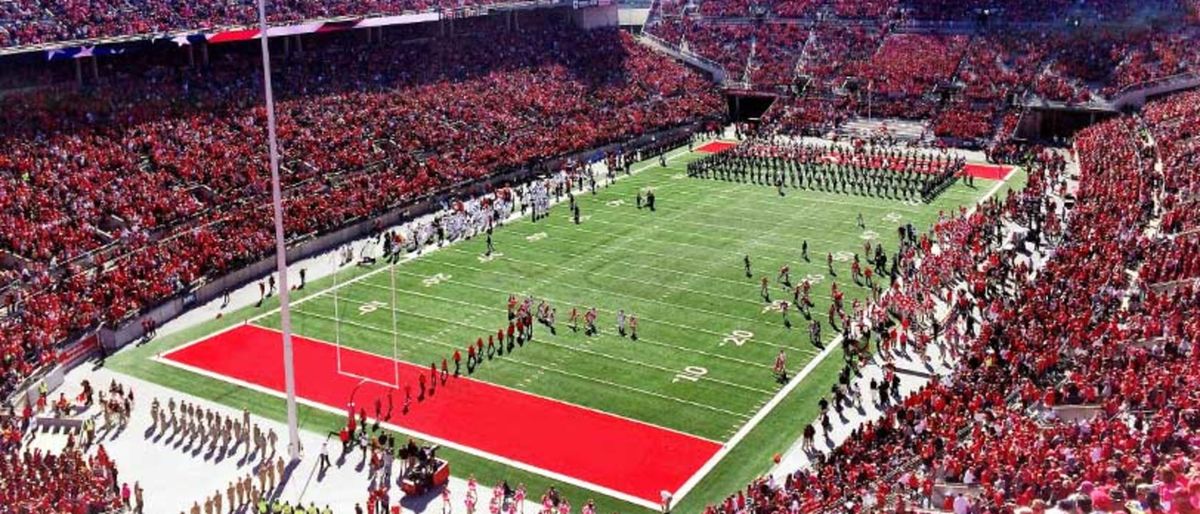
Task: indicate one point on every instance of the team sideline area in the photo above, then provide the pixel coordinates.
(514, 257)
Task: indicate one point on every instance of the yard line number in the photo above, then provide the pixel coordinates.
(435, 280)
(690, 374)
(737, 338)
(370, 307)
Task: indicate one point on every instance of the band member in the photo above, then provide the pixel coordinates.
(590, 321)
(781, 365)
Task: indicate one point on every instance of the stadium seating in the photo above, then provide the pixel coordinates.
(117, 199)
(1065, 336)
(856, 56)
(29, 22)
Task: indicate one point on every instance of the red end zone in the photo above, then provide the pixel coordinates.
(615, 453)
(716, 147)
(987, 171)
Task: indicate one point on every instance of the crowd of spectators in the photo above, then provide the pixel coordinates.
(118, 198)
(993, 70)
(1173, 124)
(845, 9)
(41, 481)
(776, 46)
(1045, 11)
(1081, 331)
(908, 66)
(804, 115)
(726, 44)
(853, 55)
(731, 8)
(30, 22)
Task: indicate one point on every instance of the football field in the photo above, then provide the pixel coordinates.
(697, 381)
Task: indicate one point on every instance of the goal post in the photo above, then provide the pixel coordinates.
(351, 312)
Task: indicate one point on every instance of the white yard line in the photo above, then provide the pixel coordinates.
(670, 372)
(756, 419)
(680, 152)
(540, 367)
(480, 307)
(610, 293)
(740, 283)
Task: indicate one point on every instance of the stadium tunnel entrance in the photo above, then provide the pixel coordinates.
(748, 108)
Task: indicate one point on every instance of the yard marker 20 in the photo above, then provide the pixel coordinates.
(737, 337)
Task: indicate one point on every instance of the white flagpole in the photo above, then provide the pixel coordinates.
(285, 318)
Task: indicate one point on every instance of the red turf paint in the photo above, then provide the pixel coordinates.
(716, 147)
(623, 455)
(987, 171)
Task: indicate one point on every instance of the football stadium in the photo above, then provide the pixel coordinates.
(703, 256)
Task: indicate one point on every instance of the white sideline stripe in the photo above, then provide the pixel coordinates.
(756, 419)
(423, 436)
(546, 368)
(670, 372)
(791, 385)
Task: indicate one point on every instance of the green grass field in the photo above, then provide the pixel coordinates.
(678, 269)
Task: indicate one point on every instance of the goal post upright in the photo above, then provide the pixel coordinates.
(337, 315)
(395, 333)
(285, 320)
